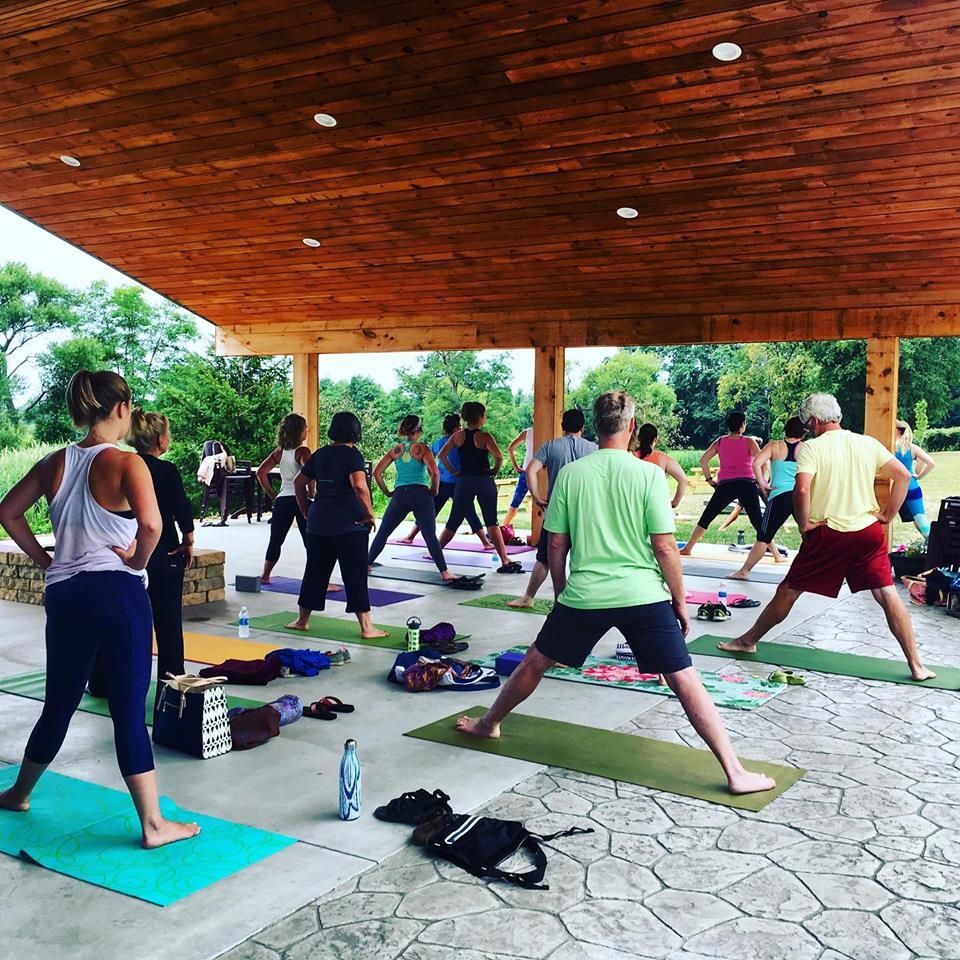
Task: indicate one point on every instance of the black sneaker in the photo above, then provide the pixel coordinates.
(414, 807)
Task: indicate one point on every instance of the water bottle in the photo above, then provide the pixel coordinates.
(495, 560)
(722, 593)
(413, 635)
(243, 624)
(350, 782)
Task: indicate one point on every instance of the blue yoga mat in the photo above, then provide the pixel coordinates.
(92, 833)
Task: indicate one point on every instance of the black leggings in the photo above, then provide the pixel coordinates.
(481, 488)
(405, 500)
(350, 550)
(285, 511)
(165, 589)
(727, 491)
(778, 512)
(444, 494)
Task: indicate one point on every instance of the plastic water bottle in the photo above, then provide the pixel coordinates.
(722, 593)
(350, 777)
(413, 635)
(495, 560)
(243, 624)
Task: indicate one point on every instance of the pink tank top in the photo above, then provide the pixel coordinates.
(736, 460)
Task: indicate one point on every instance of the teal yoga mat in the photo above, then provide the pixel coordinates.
(32, 686)
(619, 756)
(828, 661)
(92, 833)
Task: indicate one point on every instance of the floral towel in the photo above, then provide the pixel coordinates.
(726, 690)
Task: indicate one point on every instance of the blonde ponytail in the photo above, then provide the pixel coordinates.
(146, 429)
(904, 436)
(92, 395)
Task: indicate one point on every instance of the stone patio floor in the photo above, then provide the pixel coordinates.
(860, 859)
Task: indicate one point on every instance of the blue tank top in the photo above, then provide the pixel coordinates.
(783, 473)
(454, 457)
(906, 458)
(473, 461)
(410, 472)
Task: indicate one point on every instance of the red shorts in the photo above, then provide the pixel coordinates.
(828, 557)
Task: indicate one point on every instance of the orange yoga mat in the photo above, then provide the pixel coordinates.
(204, 648)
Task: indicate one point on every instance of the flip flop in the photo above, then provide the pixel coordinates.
(336, 705)
(464, 583)
(743, 603)
(512, 567)
(317, 711)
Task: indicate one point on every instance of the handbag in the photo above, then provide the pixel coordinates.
(190, 715)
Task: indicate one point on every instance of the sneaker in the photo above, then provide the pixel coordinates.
(624, 653)
(414, 807)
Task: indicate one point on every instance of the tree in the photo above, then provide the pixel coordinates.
(52, 423)
(921, 422)
(31, 305)
(638, 374)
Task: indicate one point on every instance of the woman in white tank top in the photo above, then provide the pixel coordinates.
(289, 455)
(105, 518)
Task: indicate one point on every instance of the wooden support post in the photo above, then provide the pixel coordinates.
(549, 368)
(306, 398)
(880, 410)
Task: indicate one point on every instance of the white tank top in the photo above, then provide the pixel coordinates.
(289, 468)
(84, 530)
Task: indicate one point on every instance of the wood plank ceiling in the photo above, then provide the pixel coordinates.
(482, 149)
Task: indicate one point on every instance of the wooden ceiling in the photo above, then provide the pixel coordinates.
(480, 154)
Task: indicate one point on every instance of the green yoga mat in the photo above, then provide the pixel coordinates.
(740, 693)
(32, 686)
(827, 661)
(606, 753)
(339, 631)
(92, 833)
(498, 601)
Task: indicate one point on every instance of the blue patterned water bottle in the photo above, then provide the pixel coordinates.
(350, 782)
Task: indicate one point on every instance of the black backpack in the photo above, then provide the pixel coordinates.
(480, 844)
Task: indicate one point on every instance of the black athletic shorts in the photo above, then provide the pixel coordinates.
(543, 545)
(651, 629)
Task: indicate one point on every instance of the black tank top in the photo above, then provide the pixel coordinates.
(473, 461)
(791, 451)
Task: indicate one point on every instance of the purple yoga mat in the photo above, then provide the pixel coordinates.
(378, 598)
(461, 546)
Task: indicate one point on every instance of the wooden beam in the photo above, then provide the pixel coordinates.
(549, 368)
(880, 407)
(306, 395)
(493, 330)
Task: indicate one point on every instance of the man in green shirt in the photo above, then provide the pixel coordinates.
(610, 512)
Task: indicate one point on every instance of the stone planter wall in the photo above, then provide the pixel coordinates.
(22, 581)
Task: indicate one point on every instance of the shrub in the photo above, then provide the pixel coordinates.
(943, 438)
(688, 459)
(13, 465)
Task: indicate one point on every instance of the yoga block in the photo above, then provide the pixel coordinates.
(248, 584)
(507, 662)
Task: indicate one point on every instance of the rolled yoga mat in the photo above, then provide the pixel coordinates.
(542, 606)
(92, 833)
(339, 631)
(828, 661)
(33, 687)
(464, 546)
(378, 598)
(619, 756)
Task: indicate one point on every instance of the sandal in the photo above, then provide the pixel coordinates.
(414, 807)
(337, 657)
(317, 711)
(744, 603)
(513, 542)
(719, 612)
(336, 705)
(512, 567)
(778, 676)
(704, 611)
(795, 679)
(445, 648)
(464, 583)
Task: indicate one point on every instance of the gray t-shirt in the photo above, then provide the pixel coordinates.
(556, 454)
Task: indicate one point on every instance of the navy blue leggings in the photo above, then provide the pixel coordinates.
(107, 613)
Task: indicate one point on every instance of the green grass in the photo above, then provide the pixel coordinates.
(13, 465)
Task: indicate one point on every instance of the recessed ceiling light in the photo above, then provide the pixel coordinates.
(310, 242)
(69, 161)
(628, 213)
(325, 120)
(727, 52)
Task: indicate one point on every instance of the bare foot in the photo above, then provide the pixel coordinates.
(264, 581)
(922, 673)
(374, 634)
(447, 575)
(488, 546)
(747, 782)
(168, 831)
(521, 603)
(407, 539)
(297, 625)
(662, 680)
(737, 645)
(780, 558)
(479, 727)
(686, 552)
(740, 574)
(8, 801)
(335, 587)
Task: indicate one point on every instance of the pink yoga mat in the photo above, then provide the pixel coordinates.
(466, 546)
(705, 596)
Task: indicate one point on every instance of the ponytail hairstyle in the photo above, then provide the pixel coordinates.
(904, 436)
(146, 429)
(410, 425)
(290, 432)
(92, 395)
(735, 421)
(645, 437)
(451, 424)
(472, 412)
(794, 428)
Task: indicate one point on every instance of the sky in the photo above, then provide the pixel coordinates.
(45, 253)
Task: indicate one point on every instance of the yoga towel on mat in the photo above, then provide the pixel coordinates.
(91, 833)
(619, 756)
(827, 661)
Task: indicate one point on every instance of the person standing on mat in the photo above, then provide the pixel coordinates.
(647, 451)
(524, 437)
(475, 480)
(782, 457)
(735, 480)
(842, 527)
(919, 463)
(105, 518)
(611, 513)
(448, 482)
(551, 457)
(339, 522)
(417, 483)
(288, 456)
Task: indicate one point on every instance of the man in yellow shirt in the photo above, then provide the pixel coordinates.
(842, 527)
